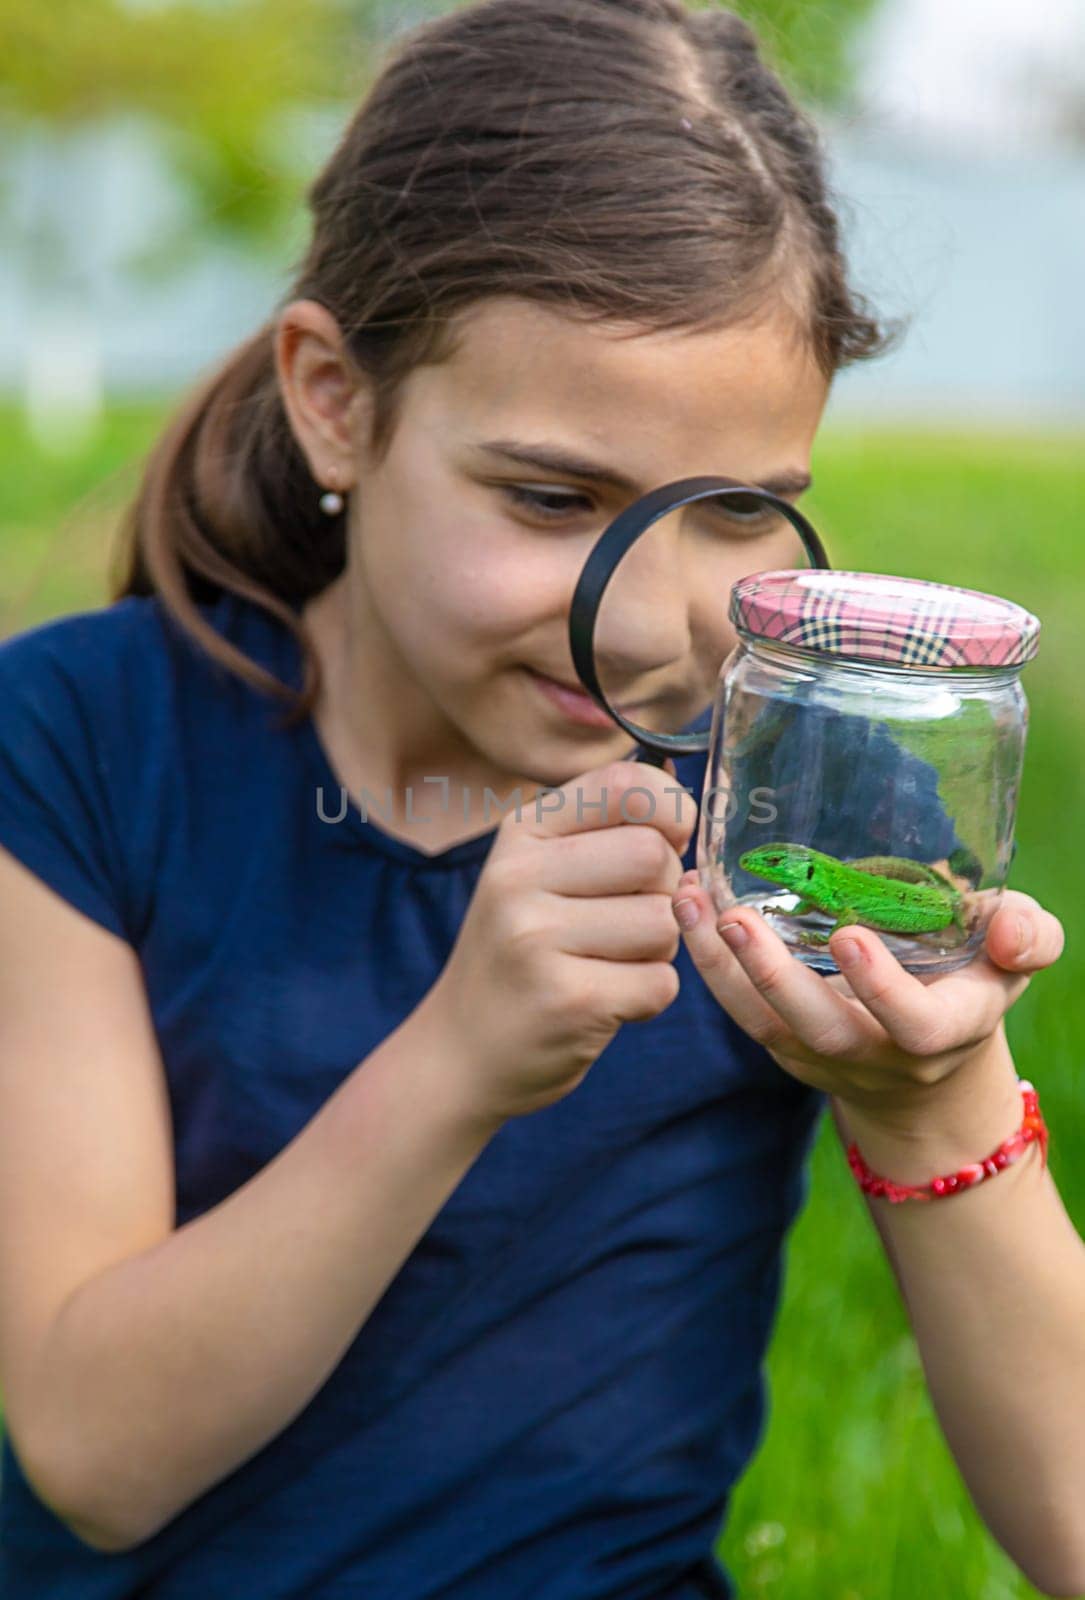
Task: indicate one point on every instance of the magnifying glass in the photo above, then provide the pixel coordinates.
(648, 602)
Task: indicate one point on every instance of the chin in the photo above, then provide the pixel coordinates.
(555, 764)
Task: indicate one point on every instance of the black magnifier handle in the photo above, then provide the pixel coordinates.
(612, 545)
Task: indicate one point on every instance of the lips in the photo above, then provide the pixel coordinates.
(575, 688)
(579, 689)
(575, 703)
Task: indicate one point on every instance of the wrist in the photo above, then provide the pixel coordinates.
(453, 1084)
(944, 1125)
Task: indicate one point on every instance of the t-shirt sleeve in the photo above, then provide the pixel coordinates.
(56, 817)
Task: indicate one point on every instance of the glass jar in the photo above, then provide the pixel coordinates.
(867, 743)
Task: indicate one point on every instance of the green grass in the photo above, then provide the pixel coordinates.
(58, 514)
(853, 1494)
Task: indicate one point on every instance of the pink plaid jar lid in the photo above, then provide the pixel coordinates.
(871, 616)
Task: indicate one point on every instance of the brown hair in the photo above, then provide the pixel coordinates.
(621, 159)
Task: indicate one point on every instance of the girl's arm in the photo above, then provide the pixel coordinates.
(184, 1351)
(176, 1365)
(993, 1280)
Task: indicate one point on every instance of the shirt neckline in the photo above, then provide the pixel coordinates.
(353, 830)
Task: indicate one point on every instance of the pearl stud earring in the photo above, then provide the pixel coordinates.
(331, 503)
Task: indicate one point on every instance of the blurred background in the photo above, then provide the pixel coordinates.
(153, 161)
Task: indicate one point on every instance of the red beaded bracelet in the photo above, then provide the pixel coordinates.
(1033, 1127)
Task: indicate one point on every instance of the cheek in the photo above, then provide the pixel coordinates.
(709, 584)
(713, 640)
(455, 592)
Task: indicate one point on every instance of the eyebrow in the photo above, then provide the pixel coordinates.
(567, 464)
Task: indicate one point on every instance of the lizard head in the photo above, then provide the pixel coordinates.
(789, 864)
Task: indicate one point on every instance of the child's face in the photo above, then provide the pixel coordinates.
(458, 575)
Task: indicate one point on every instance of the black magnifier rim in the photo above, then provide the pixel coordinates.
(612, 545)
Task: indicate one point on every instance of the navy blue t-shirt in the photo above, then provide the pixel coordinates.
(557, 1391)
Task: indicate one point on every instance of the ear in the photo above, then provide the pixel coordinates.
(328, 401)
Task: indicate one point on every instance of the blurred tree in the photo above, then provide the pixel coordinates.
(808, 41)
(243, 100)
(809, 44)
(218, 79)
(223, 93)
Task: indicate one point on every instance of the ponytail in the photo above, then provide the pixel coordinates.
(227, 502)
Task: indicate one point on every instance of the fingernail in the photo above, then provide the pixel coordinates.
(734, 934)
(1023, 934)
(847, 952)
(687, 913)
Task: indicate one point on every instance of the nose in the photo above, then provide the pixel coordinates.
(643, 622)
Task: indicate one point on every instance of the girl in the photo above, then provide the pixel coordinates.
(351, 1246)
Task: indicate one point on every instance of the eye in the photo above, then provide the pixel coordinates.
(745, 510)
(546, 502)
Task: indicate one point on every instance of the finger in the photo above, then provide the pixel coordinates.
(691, 880)
(819, 1017)
(610, 861)
(722, 971)
(628, 991)
(924, 1018)
(981, 990)
(608, 796)
(1022, 936)
(635, 927)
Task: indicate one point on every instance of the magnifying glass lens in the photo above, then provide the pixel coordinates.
(655, 594)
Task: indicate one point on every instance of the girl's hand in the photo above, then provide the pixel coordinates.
(568, 935)
(878, 1035)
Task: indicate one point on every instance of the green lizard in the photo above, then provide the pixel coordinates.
(890, 893)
